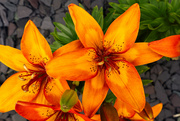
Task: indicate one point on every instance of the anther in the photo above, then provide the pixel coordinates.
(100, 63)
(25, 67)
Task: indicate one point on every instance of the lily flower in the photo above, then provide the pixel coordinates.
(126, 113)
(41, 112)
(169, 46)
(107, 61)
(31, 82)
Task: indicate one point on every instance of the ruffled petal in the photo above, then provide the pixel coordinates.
(54, 89)
(94, 93)
(14, 59)
(77, 65)
(87, 29)
(123, 31)
(11, 91)
(140, 54)
(72, 46)
(123, 109)
(126, 85)
(34, 46)
(34, 111)
(169, 46)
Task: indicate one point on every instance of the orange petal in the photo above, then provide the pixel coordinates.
(54, 89)
(157, 109)
(124, 110)
(94, 93)
(34, 46)
(72, 46)
(34, 111)
(78, 106)
(77, 65)
(87, 29)
(14, 58)
(122, 33)
(11, 91)
(126, 85)
(169, 46)
(41, 99)
(140, 54)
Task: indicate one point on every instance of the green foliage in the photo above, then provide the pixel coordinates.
(146, 82)
(142, 69)
(110, 98)
(159, 18)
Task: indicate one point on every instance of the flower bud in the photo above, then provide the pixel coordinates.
(108, 112)
(147, 112)
(68, 100)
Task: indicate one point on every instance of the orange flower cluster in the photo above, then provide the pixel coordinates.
(103, 61)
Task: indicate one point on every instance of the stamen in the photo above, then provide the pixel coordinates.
(25, 67)
(100, 63)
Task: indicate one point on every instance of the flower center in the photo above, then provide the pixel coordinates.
(33, 77)
(106, 59)
(65, 117)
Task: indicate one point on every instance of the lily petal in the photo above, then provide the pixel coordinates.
(140, 54)
(94, 93)
(123, 109)
(72, 46)
(41, 99)
(169, 46)
(34, 46)
(36, 111)
(14, 58)
(157, 109)
(122, 33)
(87, 29)
(54, 89)
(77, 65)
(126, 85)
(11, 91)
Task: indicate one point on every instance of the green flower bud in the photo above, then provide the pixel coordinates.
(68, 100)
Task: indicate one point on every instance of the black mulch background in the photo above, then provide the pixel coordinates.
(15, 13)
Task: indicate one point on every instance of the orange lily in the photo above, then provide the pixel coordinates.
(41, 112)
(125, 112)
(31, 83)
(107, 61)
(169, 46)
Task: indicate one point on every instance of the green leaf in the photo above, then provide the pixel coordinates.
(61, 37)
(150, 10)
(175, 4)
(110, 98)
(98, 15)
(63, 29)
(142, 69)
(122, 1)
(118, 7)
(153, 35)
(146, 82)
(156, 23)
(131, 2)
(70, 25)
(143, 1)
(154, 2)
(55, 46)
(163, 8)
(80, 5)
